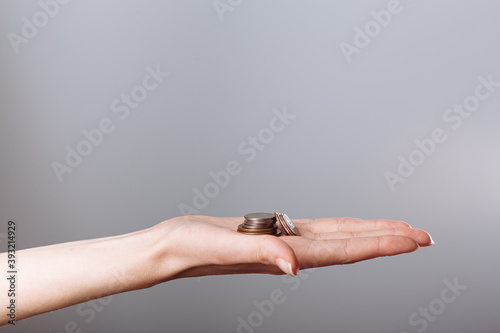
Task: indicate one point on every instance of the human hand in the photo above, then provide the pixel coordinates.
(191, 246)
(203, 245)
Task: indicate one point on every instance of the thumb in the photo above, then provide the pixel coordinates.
(272, 250)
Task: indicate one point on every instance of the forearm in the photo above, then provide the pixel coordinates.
(57, 276)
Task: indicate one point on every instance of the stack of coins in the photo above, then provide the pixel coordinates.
(259, 224)
(287, 225)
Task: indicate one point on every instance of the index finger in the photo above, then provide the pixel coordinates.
(347, 224)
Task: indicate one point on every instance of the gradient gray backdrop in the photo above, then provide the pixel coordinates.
(353, 121)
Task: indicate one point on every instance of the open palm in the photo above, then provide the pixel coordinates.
(211, 246)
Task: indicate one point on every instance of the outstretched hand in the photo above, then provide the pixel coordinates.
(211, 246)
(191, 246)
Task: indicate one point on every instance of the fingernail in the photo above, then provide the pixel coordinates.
(432, 241)
(285, 266)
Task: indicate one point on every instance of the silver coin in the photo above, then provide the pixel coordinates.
(260, 217)
(289, 222)
(259, 224)
(281, 223)
(287, 225)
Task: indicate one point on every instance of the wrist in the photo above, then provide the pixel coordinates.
(158, 256)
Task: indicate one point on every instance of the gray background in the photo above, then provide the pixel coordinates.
(352, 122)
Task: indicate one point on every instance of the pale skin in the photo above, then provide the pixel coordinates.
(56, 276)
